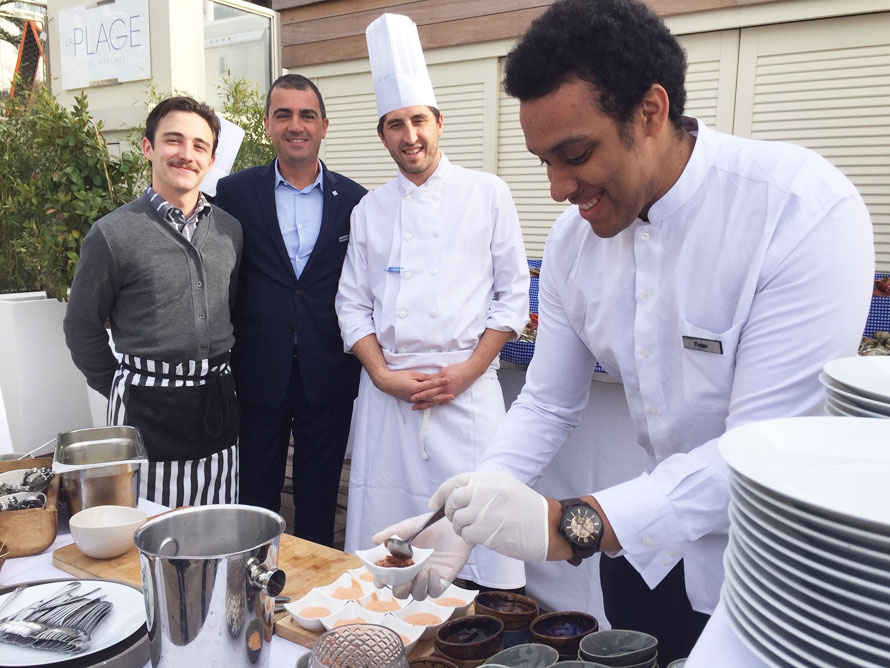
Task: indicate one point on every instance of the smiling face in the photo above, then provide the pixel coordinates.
(612, 176)
(411, 135)
(295, 126)
(180, 157)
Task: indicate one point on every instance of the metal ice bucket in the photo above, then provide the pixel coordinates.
(210, 578)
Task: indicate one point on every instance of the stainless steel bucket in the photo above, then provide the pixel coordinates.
(210, 578)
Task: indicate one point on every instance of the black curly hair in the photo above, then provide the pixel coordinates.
(620, 47)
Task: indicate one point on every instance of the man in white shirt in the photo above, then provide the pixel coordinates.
(434, 283)
(712, 275)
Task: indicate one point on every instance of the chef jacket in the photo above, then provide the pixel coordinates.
(754, 270)
(429, 280)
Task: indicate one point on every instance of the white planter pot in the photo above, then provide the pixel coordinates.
(43, 392)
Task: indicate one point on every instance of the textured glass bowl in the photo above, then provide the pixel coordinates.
(359, 646)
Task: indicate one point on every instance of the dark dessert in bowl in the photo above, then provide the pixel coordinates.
(470, 637)
(515, 610)
(562, 631)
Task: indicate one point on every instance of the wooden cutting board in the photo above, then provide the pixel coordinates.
(306, 564)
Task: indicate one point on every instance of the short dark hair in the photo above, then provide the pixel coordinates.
(436, 113)
(181, 103)
(295, 82)
(619, 47)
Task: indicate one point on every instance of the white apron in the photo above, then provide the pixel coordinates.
(401, 456)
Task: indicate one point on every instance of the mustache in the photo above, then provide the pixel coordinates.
(182, 163)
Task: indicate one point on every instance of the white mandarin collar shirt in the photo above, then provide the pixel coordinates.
(754, 270)
(429, 268)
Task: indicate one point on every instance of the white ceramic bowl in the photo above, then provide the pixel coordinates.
(429, 630)
(392, 577)
(384, 597)
(362, 573)
(352, 613)
(103, 532)
(314, 598)
(337, 589)
(467, 596)
(404, 629)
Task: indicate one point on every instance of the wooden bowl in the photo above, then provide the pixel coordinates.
(30, 531)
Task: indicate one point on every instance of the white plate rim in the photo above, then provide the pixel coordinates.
(849, 408)
(833, 387)
(133, 604)
(856, 373)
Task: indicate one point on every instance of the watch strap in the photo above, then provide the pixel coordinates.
(579, 553)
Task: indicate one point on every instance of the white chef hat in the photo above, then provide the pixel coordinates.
(397, 65)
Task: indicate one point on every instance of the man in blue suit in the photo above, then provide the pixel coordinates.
(291, 374)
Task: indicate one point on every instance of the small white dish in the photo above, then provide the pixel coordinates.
(104, 532)
(314, 599)
(340, 588)
(392, 577)
(351, 613)
(425, 608)
(453, 594)
(384, 599)
(362, 573)
(407, 631)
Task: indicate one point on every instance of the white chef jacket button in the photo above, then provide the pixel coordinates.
(648, 542)
(672, 553)
(665, 563)
(434, 272)
(653, 411)
(433, 314)
(403, 313)
(435, 233)
(644, 294)
(407, 275)
(408, 236)
(644, 236)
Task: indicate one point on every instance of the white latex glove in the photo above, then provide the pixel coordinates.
(494, 509)
(450, 553)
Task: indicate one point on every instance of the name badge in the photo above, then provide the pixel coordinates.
(704, 345)
(345, 237)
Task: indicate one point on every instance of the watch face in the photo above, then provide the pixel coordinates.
(582, 525)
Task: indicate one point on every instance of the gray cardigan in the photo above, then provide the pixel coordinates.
(167, 298)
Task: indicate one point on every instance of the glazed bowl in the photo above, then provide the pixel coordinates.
(431, 662)
(562, 631)
(382, 600)
(515, 610)
(104, 532)
(618, 647)
(529, 655)
(349, 614)
(409, 633)
(392, 576)
(470, 637)
(450, 597)
(347, 588)
(314, 599)
(409, 615)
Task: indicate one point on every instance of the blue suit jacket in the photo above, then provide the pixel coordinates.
(272, 303)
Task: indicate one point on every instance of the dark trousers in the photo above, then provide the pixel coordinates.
(663, 612)
(320, 436)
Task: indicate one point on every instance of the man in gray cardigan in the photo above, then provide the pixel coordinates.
(162, 270)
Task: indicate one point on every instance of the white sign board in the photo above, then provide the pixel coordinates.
(105, 43)
(230, 138)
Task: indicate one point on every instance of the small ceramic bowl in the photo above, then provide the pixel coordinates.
(431, 662)
(303, 661)
(619, 647)
(351, 613)
(578, 663)
(468, 638)
(347, 588)
(409, 614)
(452, 595)
(392, 577)
(103, 532)
(361, 573)
(409, 633)
(314, 599)
(515, 610)
(562, 631)
(382, 600)
(529, 655)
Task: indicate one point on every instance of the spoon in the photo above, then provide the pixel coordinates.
(402, 548)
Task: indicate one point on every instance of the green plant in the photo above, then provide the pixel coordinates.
(244, 105)
(56, 179)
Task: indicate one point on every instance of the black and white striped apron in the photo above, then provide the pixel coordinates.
(188, 416)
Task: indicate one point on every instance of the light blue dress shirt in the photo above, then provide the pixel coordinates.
(299, 217)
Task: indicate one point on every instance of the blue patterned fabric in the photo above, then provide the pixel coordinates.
(879, 316)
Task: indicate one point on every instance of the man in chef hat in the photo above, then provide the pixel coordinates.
(435, 282)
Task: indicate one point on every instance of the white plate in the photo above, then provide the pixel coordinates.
(838, 465)
(868, 376)
(125, 618)
(836, 389)
(812, 639)
(847, 407)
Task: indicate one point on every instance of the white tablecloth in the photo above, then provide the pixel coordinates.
(40, 567)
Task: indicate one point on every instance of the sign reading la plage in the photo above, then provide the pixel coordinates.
(105, 43)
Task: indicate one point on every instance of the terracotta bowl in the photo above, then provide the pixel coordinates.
(471, 637)
(562, 631)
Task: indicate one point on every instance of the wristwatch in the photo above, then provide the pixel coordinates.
(582, 527)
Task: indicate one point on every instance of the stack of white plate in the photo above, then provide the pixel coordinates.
(808, 563)
(857, 386)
